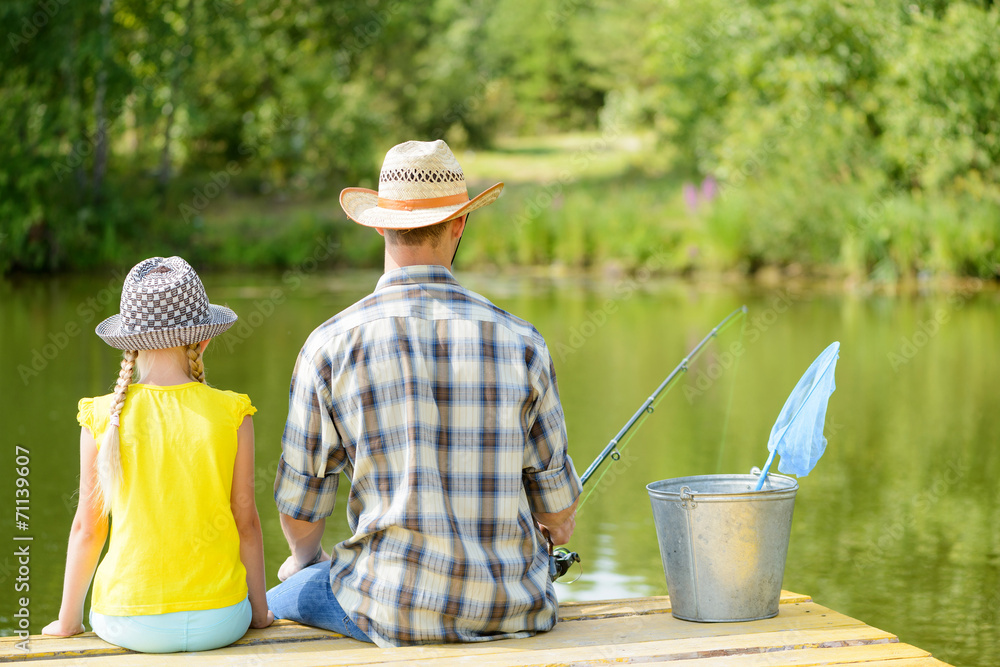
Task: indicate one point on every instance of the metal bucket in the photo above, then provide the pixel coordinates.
(723, 544)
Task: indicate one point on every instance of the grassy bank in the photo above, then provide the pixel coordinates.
(591, 202)
(585, 202)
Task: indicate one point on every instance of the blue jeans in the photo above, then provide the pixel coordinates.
(199, 630)
(306, 597)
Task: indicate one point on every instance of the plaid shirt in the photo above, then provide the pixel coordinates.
(443, 412)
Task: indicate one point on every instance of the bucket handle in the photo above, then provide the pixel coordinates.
(687, 498)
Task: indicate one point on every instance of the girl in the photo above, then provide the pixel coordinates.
(169, 460)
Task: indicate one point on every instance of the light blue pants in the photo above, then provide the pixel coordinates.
(178, 631)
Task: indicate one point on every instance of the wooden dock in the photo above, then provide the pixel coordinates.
(640, 630)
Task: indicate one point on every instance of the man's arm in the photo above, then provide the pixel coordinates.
(550, 480)
(304, 540)
(305, 486)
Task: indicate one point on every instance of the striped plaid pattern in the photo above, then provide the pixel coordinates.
(443, 412)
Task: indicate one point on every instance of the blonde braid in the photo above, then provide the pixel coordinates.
(196, 363)
(109, 460)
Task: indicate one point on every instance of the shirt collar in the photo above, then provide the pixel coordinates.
(411, 275)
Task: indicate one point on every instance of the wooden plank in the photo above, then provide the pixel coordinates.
(636, 629)
(794, 618)
(641, 630)
(762, 660)
(888, 655)
(676, 649)
(318, 652)
(287, 631)
(283, 631)
(571, 611)
(313, 654)
(909, 662)
(42, 647)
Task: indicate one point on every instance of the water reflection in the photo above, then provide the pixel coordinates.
(895, 525)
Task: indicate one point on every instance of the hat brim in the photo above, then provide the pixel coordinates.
(361, 206)
(111, 332)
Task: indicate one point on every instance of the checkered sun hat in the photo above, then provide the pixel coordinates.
(163, 305)
(421, 184)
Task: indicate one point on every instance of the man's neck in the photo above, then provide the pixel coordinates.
(401, 256)
(440, 254)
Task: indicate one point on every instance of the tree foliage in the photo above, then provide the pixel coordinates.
(814, 115)
(124, 120)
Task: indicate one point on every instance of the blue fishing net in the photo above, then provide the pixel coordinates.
(798, 433)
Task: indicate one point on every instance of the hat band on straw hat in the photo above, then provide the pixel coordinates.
(421, 184)
(414, 204)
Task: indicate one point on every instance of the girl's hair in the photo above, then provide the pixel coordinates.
(109, 460)
(197, 365)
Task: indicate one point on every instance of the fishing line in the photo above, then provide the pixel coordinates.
(732, 390)
(623, 445)
(649, 410)
(560, 558)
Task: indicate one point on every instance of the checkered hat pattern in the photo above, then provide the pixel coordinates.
(163, 305)
(421, 184)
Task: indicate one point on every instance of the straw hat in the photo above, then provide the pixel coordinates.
(163, 305)
(420, 184)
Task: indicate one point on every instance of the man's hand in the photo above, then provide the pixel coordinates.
(304, 540)
(559, 534)
(558, 526)
(292, 566)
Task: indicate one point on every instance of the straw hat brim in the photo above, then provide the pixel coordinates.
(361, 206)
(111, 332)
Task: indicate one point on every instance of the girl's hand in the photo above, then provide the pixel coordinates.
(258, 623)
(58, 628)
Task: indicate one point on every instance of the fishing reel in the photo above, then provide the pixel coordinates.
(560, 560)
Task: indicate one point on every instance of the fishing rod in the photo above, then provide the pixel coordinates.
(560, 558)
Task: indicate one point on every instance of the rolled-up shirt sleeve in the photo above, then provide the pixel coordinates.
(312, 455)
(550, 480)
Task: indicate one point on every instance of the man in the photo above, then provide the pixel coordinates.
(443, 412)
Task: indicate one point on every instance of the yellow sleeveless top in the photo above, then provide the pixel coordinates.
(174, 542)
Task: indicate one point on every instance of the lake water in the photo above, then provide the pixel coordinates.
(896, 525)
